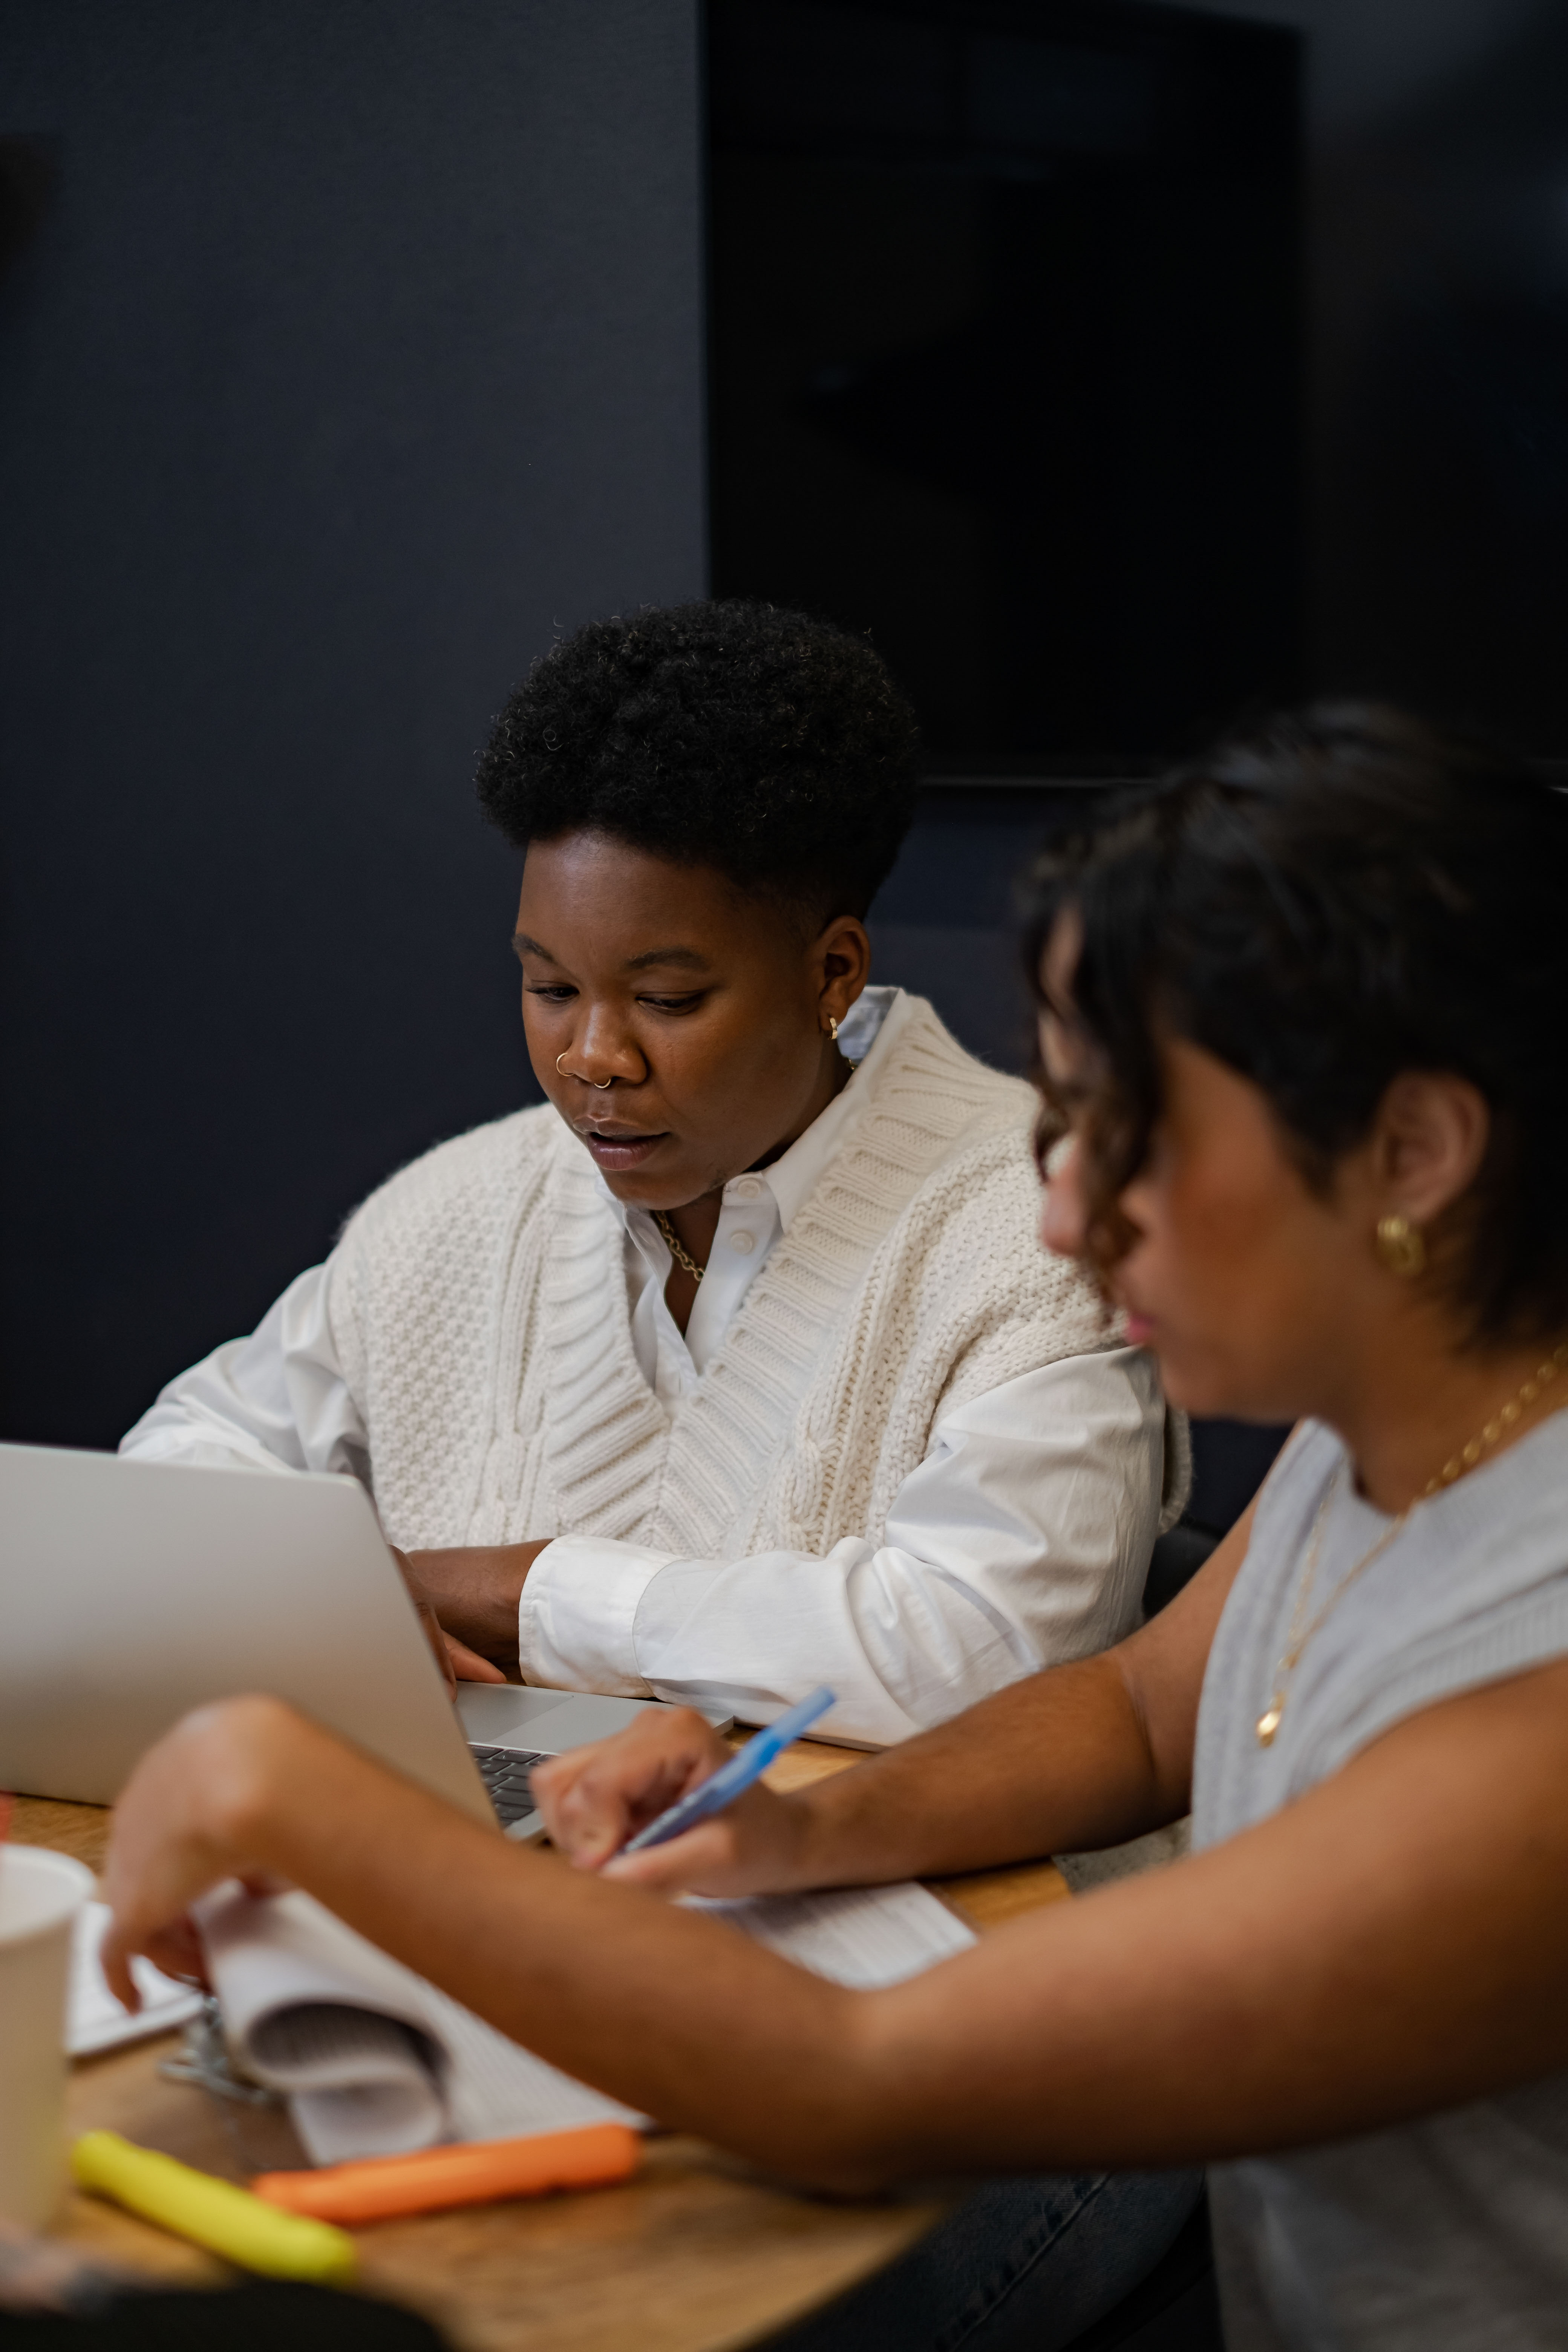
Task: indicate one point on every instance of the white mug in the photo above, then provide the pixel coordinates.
(40, 1895)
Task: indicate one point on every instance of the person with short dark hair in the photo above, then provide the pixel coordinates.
(1299, 1011)
(734, 1369)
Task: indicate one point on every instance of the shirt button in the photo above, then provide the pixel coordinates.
(746, 1189)
(744, 1244)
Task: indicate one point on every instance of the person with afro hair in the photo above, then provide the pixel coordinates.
(734, 1368)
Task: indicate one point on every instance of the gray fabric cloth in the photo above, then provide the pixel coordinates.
(1449, 2234)
(1102, 1866)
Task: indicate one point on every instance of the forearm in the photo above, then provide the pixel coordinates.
(1081, 1755)
(1390, 1944)
(658, 2006)
(680, 2017)
(475, 1591)
(1051, 1765)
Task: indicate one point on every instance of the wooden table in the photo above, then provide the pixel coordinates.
(700, 2254)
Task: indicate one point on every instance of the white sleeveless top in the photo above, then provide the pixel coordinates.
(1449, 2234)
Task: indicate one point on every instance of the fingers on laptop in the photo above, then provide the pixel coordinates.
(468, 1666)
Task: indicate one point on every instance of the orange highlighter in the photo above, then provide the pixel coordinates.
(481, 2173)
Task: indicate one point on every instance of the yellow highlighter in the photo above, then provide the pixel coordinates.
(214, 2213)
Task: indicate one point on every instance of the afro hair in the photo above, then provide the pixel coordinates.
(770, 746)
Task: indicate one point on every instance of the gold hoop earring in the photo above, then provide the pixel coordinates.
(1401, 1247)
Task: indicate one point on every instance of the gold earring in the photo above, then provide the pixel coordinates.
(1401, 1247)
(832, 1030)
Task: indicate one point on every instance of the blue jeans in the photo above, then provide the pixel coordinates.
(1023, 2266)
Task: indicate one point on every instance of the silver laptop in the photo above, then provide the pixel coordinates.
(131, 1592)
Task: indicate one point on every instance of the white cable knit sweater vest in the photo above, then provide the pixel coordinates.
(479, 1307)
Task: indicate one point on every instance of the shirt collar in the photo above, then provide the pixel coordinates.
(864, 1038)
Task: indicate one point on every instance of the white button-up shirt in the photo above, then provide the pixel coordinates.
(1021, 1539)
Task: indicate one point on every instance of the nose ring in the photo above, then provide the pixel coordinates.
(598, 1085)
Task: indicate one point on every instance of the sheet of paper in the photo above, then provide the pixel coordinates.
(94, 2019)
(358, 2082)
(373, 2060)
(860, 1935)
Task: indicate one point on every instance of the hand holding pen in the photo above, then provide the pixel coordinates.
(667, 1805)
(732, 1779)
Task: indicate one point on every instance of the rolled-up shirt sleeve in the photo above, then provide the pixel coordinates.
(1021, 1541)
(276, 1401)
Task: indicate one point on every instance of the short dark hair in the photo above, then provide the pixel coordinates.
(773, 746)
(1324, 902)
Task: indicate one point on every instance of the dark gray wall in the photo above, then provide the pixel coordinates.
(1438, 508)
(359, 348)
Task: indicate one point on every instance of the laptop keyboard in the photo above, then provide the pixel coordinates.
(505, 1772)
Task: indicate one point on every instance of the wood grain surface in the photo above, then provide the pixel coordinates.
(700, 2254)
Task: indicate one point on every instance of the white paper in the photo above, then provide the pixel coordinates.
(94, 2019)
(858, 1935)
(374, 2061)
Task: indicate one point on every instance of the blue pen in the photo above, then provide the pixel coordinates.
(724, 1786)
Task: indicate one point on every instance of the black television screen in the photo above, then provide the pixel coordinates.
(1003, 358)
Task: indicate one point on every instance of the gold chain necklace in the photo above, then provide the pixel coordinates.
(1468, 1457)
(672, 1241)
(682, 1257)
